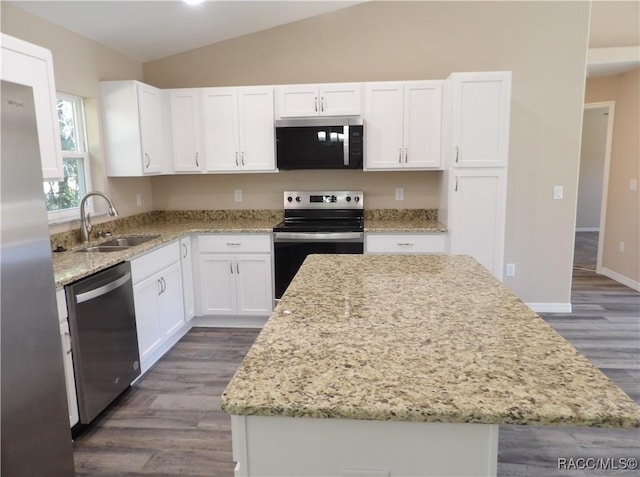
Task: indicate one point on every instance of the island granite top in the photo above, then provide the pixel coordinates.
(431, 338)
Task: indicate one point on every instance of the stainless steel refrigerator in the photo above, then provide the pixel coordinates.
(36, 439)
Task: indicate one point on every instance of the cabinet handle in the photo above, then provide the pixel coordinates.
(322, 104)
(231, 267)
(148, 160)
(159, 285)
(315, 102)
(197, 163)
(233, 244)
(457, 153)
(242, 155)
(405, 244)
(399, 155)
(456, 188)
(186, 251)
(238, 268)
(68, 338)
(237, 163)
(406, 154)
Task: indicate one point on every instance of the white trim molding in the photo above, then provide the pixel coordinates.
(619, 278)
(550, 307)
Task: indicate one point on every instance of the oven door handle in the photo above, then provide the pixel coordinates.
(318, 237)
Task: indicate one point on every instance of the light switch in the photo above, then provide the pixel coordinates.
(633, 184)
(399, 193)
(237, 195)
(139, 199)
(558, 192)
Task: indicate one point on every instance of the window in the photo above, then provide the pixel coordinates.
(63, 197)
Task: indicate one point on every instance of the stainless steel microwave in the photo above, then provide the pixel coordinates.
(320, 143)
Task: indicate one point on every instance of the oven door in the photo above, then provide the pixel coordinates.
(292, 248)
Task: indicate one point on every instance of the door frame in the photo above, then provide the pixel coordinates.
(610, 106)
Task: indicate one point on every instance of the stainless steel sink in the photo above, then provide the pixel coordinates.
(128, 241)
(119, 244)
(104, 248)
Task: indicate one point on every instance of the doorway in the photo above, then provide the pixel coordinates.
(595, 155)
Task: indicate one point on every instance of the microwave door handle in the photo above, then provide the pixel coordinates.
(345, 144)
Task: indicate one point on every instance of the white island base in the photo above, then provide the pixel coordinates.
(285, 446)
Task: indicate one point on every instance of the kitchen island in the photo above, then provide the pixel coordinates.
(405, 365)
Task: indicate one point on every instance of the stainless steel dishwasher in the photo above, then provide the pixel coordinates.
(104, 340)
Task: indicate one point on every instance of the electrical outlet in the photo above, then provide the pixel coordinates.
(558, 192)
(633, 184)
(399, 193)
(621, 247)
(237, 195)
(139, 199)
(511, 269)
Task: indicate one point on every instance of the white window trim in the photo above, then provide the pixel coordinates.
(72, 214)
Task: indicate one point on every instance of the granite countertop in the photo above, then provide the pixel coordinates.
(71, 266)
(417, 338)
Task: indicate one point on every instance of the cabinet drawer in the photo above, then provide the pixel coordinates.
(405, 243)
(234, 243)
(152, 262)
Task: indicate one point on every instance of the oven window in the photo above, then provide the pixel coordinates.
(290, 255)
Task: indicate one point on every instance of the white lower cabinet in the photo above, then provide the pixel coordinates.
(159, 305)
(235, 275)
(67, 359)
(425, 243)
(477, 202)
(186, 262)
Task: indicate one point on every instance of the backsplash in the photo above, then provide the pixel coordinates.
(120, 226)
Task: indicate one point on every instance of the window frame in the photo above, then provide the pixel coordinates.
(73, 213)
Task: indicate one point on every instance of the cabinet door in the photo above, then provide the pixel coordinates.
(340, 99)
(171, 306)
(422, 124)
(185, 129)
(151, 128)
(480, 129)
(478, 216)
(220, 128)
(384, 115)
(257, 141)
(254, 284)
(217, 284)
(146, 298)
(69, 375)
(187, 278)
(298, 100)
(31, 65)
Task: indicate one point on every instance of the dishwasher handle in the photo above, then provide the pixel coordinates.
(103, 290)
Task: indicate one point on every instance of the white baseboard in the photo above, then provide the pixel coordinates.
(229, 321)
(550, 307)
(587, 229)
(619, 278)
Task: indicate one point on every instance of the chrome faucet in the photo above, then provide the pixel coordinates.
(85, 222)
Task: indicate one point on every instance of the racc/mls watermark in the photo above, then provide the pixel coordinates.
(597, 463)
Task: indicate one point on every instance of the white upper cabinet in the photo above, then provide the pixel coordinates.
(480, 119)
(403, 125)
(185, 129)
(238, 129)
(31, 65)
(332, 99)
(135, 135)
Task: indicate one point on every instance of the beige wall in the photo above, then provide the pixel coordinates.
(623, 205)
(78, 65)
(543, 43)
(592, 152)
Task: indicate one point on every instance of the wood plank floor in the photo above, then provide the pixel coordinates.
(169, 423)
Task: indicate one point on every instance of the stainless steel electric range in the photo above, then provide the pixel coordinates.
(316, 222)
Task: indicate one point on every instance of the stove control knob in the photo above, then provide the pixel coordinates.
(289, 199)
(348, 198)
(357, 198)
(298, 199)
